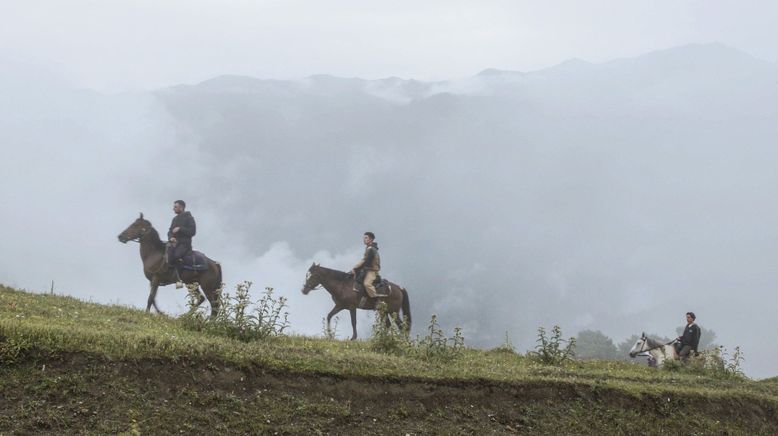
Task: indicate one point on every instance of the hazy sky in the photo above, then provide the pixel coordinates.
(126, 45)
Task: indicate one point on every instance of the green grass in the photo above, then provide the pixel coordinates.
(38, 329)
(66, 324)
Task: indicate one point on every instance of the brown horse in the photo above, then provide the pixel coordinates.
(340, 285)
(157, 271)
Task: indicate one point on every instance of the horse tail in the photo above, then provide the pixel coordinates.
(406, 309)
(219, 274)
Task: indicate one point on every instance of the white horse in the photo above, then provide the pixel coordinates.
(657, 350)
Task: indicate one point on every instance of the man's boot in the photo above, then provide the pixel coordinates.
(179, 283)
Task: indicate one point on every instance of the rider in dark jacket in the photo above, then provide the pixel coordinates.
(690, 339)
(182, 229)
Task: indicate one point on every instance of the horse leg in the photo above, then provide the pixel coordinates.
(213, 300)
(394, 316)
(153, 286)
(659, 358)
(200, 299)
(353, 313)
(332, 313)
(211, 283)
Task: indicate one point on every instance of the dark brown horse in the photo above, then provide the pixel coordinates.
(340, 285)
(152, 253)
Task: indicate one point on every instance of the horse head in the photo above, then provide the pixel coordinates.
(312, 279)
(639, 347)
(135, 231)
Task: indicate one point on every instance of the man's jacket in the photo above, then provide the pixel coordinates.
(187, 228)
(691, 336)
(371, 260)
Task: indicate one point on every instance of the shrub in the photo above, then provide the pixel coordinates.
(238, 317)
(715, 362)
(194, 319)
(436, 346)
(389, 338)
(735, 365)
(329, 331)
(505, 347)
(13, 350)
(550, 350)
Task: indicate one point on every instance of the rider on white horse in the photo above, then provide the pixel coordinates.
(690, 339)
(680, 347)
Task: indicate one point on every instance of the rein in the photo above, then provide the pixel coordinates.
(318, 285)
(654, 347)
(321, 279)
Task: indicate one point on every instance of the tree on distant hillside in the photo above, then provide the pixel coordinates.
(593, 344)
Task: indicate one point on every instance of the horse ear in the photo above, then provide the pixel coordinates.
(643, 335)
(141, 215)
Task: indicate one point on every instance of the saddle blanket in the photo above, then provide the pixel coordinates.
(193, 261)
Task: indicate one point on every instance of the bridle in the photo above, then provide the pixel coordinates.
(645, 341)
(137, 239)
(318, 286)
(143, 231)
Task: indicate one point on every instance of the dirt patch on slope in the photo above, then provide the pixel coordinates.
(84, 393)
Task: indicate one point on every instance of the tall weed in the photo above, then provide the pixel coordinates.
(329, 331)
(389, 338)
(239, 317)
(553, 350)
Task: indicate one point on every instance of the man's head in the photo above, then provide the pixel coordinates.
(368, 238)
(179, 206)
(690, 317)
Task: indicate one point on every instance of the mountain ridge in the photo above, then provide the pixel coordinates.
(683, 54)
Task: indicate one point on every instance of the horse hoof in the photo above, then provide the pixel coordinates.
(353, 338)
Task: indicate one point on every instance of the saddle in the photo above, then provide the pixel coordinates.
(193, 261)
(381, 285)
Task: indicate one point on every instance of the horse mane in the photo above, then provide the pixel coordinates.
(340, 275)
(155, 237)
(653, 343)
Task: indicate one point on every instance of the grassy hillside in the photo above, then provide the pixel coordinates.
(67, 365)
